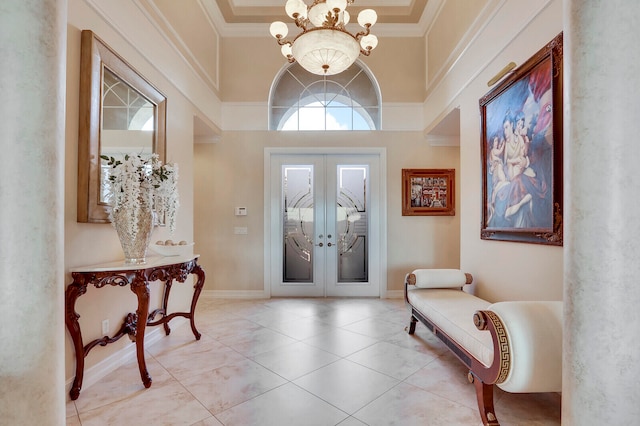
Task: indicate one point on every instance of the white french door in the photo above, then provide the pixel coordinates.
(324, 225)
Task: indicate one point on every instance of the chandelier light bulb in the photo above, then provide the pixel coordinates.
(369, 42)
(337, 5)
(278, 29)
(296, 9)
(286, 51)
(345, 17)
(318, 13)
(367, 17)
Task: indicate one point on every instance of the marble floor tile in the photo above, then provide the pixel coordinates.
(168, 403)
(445, 376)
(232, 384)
(301, 307)
(70, 408)
(351, 421)
(299, 362)
(270, 316)
(375, 327)
(539, 409)
(120, 385)
(73, 420)
(340, 317)
(253, 342)
(295, 360)
(227, 329)
(179, 337)
(209, 421)
(197, 358)
(391, 359)
(346, 385)
(407, 405)
(341, 342)
(302, 328)
(422, 341)
(285, 405)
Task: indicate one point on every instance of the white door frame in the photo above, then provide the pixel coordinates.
(382, 155)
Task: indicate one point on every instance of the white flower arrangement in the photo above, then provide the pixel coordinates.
(138, 184)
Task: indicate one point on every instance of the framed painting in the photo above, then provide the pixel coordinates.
(521, 134)
(428, 192)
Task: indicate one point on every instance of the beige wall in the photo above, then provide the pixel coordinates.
(249, 65)
(87, 244)
(199, 41)
(502, 270)
(230, 173)
(452, 24)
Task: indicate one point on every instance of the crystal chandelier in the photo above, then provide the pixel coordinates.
(324, 46)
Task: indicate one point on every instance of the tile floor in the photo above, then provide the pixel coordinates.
(300, 362)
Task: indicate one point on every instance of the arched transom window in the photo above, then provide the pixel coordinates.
(300, 100)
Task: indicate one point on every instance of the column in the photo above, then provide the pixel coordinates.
(32, 126)
(601, 369)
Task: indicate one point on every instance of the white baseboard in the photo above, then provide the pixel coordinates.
(235, 294)
(394, 294)
(259, 294)
(95, 373)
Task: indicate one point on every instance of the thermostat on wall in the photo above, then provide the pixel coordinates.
(241, 211)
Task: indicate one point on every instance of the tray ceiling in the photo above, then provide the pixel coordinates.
(266, 11)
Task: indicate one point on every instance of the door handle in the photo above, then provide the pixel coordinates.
(320, 245)
(329, 244)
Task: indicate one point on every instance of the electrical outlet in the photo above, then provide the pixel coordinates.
(105, 327)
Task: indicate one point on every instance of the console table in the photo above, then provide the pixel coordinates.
(137, 277)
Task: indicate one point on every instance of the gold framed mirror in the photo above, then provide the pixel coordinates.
(120, 113)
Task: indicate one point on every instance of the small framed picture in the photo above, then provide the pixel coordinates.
(428, 192)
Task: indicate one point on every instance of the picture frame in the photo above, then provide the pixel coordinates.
(428, 192)
(521, 152)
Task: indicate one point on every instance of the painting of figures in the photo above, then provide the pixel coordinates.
(522, 152)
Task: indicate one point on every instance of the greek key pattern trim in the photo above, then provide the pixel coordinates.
(503, 345)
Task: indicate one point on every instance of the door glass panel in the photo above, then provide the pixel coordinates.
(298, 224)
(352, 224)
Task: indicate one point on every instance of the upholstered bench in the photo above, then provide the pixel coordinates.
(514, 345)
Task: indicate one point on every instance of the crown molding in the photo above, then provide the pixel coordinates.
(164, 27)
(262, 29)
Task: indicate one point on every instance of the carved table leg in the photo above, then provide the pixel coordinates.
(141, 288)
(194, 300)
(75, 290)
(165, 302)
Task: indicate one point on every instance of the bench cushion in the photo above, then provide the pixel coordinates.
(452, 311)
(439, 278)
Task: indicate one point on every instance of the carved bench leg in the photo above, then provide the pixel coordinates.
(484, 395)
(412, 325)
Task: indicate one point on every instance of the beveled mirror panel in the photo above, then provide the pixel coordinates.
(120, 113)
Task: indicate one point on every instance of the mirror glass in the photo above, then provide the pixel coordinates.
(127, 126)
(120, 113)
